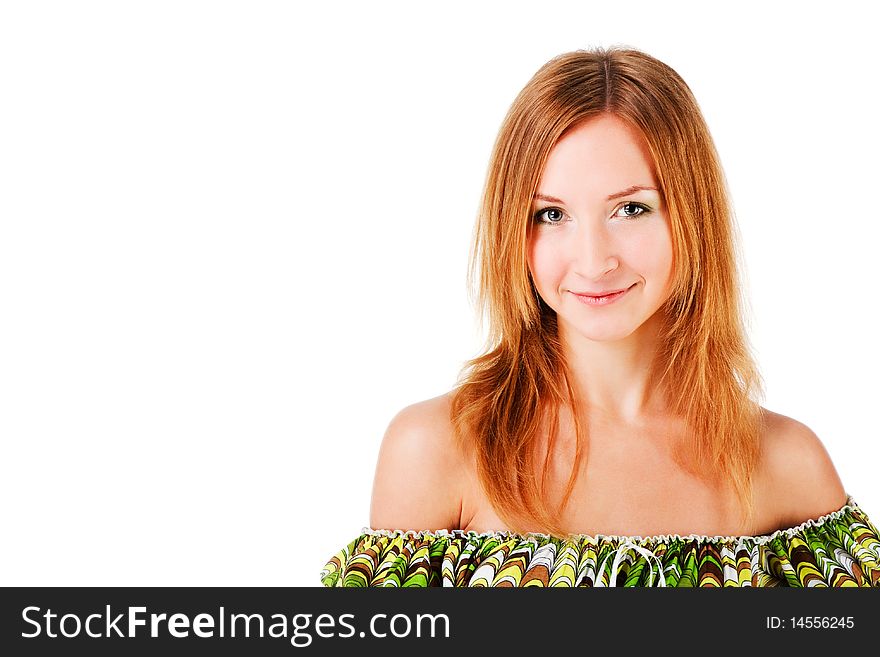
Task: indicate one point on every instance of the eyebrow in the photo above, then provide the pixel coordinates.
(624, 192)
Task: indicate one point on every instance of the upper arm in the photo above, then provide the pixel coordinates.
(416, 485)
(806, 483)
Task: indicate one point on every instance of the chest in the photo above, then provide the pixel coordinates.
(631, 482)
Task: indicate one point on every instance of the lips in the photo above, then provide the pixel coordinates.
(601, 294)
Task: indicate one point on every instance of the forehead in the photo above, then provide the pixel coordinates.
(602, 155)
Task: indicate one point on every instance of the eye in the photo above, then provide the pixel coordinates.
(632, 210)
(549, 220)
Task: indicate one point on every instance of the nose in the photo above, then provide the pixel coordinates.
(593, 251)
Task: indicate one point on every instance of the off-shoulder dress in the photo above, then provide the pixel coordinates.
(841, 548)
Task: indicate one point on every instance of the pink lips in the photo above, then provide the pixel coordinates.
(601, 299)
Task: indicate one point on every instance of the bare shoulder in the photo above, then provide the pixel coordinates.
(417, 484)
(797, 476)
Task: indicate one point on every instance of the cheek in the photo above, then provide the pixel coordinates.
(665, 257)
(651, 253)
(544, 263)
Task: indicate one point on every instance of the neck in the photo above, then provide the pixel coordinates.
(613, 378)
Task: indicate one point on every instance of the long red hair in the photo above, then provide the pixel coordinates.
(510, 394)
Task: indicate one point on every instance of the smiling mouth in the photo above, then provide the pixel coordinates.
(603, 299)
(601, 295)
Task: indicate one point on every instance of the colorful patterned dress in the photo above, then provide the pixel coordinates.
(841, 548)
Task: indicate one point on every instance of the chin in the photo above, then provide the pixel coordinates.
(606, 333)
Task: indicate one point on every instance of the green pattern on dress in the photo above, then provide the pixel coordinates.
(838, 549)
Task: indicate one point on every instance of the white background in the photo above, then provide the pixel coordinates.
(235, 235)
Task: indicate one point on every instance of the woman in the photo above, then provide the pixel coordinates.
(609, 435)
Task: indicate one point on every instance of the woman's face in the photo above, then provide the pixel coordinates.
(594, 232)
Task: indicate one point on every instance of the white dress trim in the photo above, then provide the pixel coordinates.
(661, 538)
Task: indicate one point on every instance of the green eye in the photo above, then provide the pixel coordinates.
(630, 211)
(540, 213)
(642, 209)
